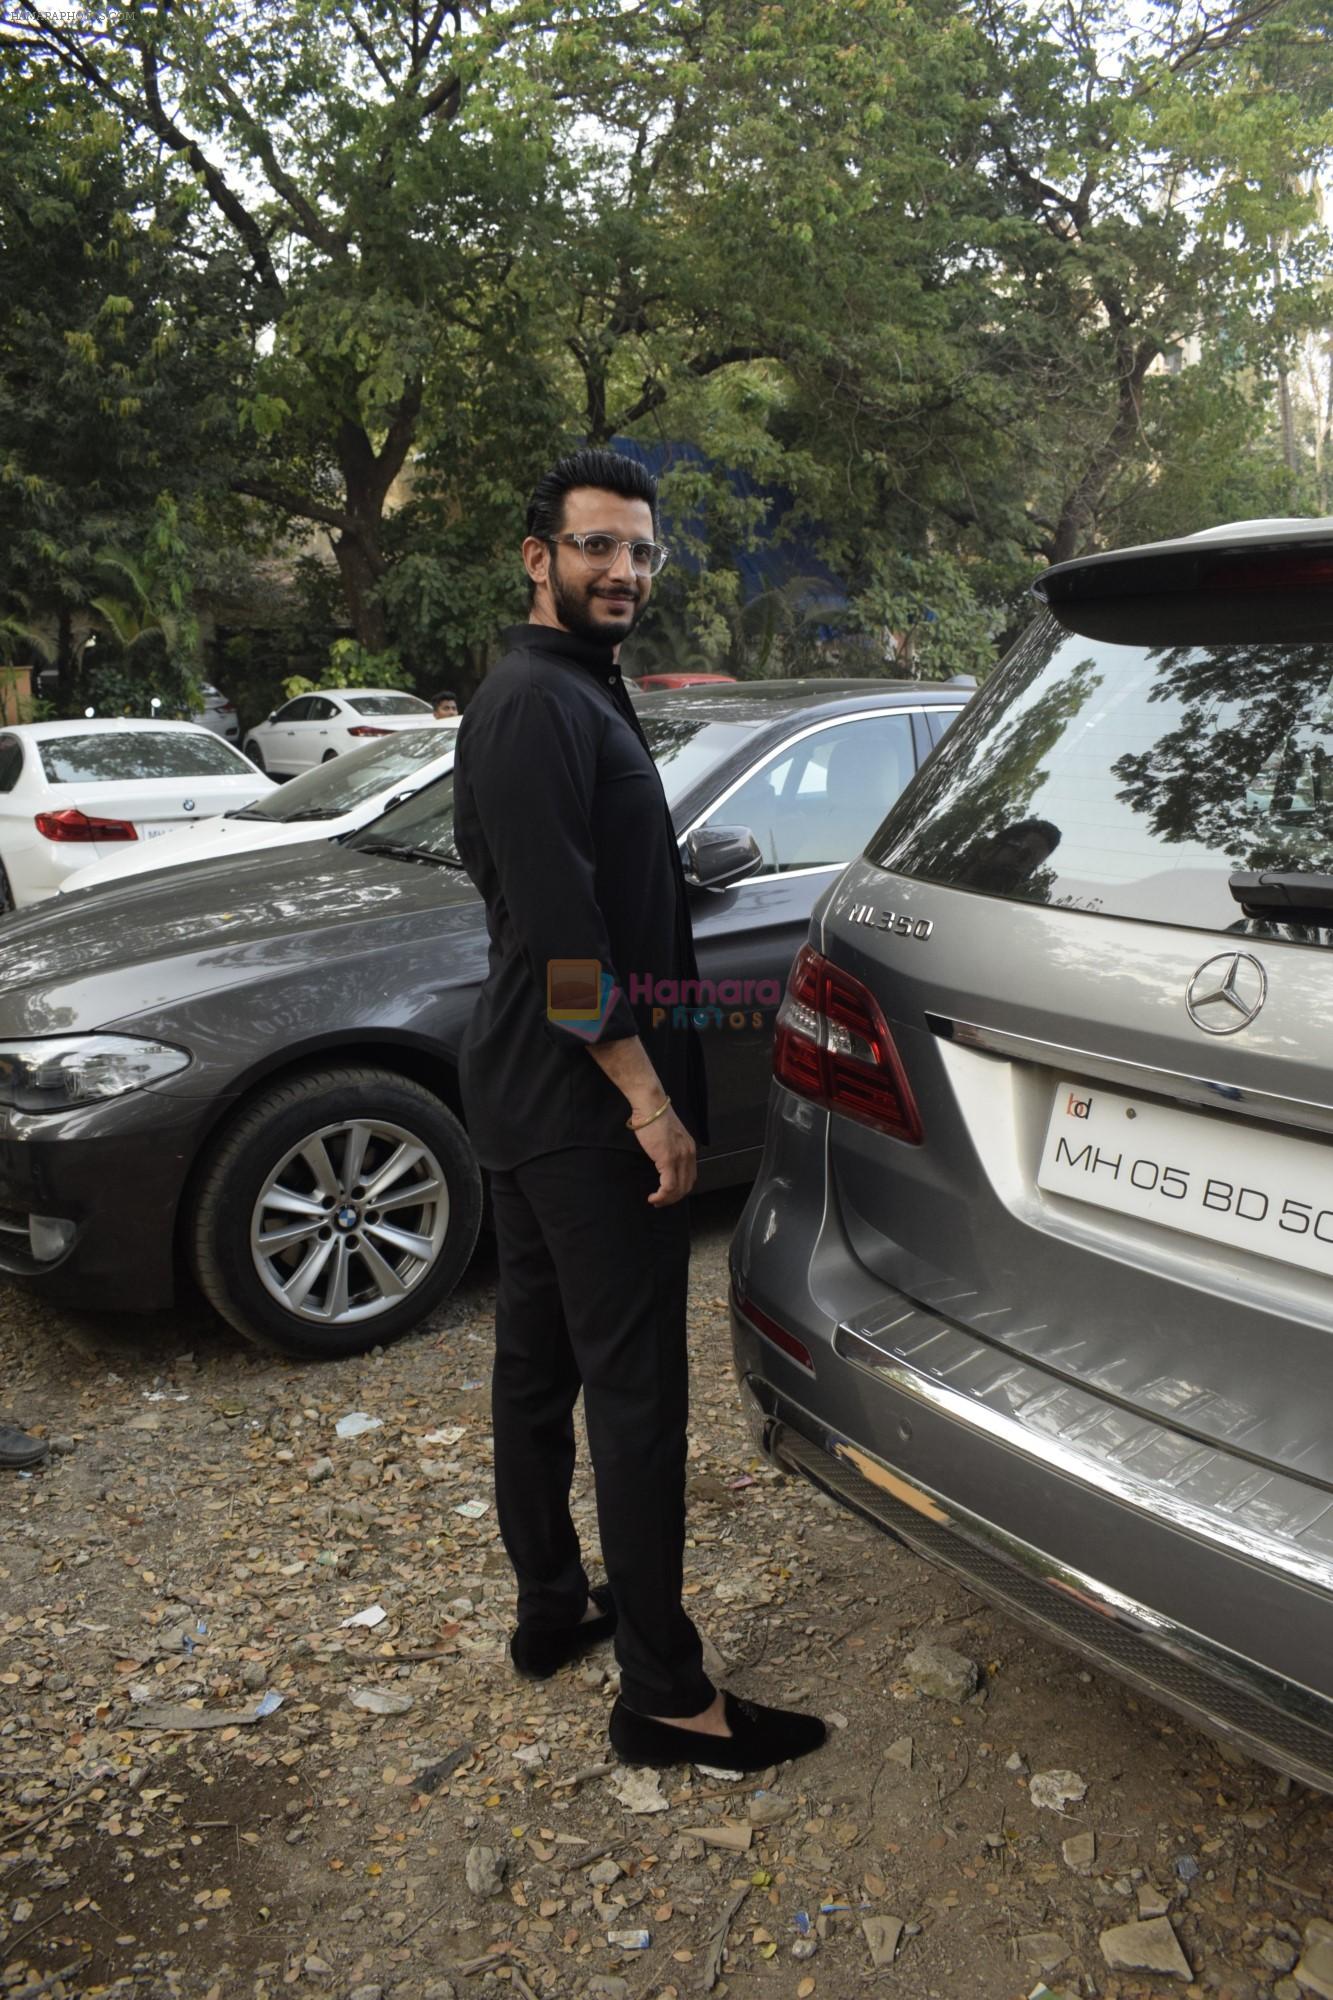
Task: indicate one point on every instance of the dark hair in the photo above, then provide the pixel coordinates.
(608, 471)
(445, 694)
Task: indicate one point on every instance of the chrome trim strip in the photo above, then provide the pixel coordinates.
(1182, 1642)
(1178, 1085)
(1144, 1496)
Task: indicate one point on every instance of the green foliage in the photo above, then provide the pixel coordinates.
(363, 269)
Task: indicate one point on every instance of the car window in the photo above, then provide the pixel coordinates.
(346, 782)
(815, 804)
(686, 747)
(1130, 778)
(940, 720)
(295, 711)
(102, 758)
(426, 821)
(11, 762)
(387, 704)
(320, 709)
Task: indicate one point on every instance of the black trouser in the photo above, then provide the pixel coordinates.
(593, 1289)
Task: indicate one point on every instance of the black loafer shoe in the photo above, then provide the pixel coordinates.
(759, 1737)
(18, 1451)
(538, 1654)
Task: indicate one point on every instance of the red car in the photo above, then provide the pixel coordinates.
(650, 681)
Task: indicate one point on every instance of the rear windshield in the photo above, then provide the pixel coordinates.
(344, 783)
(387, 704)
(130, 753)
(1128, 778)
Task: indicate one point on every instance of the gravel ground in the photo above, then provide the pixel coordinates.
(410, 1822)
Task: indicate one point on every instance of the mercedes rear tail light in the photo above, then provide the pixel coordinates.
(71, 824)
(833, 1046)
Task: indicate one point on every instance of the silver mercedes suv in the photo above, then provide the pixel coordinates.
(1037, 1272)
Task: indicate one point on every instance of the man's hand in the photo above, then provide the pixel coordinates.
(672, 1151)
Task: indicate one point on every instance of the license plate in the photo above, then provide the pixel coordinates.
(154, 829)
(1211, 1177)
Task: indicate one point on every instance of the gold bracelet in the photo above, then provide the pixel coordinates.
(665, 1105)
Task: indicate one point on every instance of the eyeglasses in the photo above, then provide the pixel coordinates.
(600, 551)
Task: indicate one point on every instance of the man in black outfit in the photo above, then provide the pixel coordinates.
(588, 1117)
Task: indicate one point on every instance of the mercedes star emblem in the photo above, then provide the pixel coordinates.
(1226, 993)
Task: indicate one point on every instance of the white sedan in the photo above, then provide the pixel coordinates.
(327, 802)
(316, 727)
(74, 792)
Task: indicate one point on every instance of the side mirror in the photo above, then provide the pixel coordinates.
(717, 856)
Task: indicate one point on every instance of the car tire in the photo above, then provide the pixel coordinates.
(356, 1280)
(7, 902)
(256, 756)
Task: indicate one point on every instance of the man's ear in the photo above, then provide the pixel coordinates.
(537, 558)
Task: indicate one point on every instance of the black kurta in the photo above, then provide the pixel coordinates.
(561, 821)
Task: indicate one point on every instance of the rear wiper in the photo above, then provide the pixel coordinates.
(1293, 894)
(401, 852)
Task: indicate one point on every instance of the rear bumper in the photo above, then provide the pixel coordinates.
(994, 1470)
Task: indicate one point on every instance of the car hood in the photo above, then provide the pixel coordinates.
(84, 961)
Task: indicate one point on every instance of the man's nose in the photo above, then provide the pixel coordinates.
(621, 566)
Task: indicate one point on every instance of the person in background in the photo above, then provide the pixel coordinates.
(445, 705)
(587, 1117)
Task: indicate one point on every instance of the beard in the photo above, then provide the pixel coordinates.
(573, 606)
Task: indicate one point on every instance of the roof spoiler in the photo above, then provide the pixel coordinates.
(1246, 584)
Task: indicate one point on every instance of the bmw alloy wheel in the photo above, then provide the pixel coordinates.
(352, 1220)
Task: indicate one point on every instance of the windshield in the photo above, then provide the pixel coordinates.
(344, 783)
(684, 751)
(425, 822)
(1131, 779)
(103, 758)
(686, 748)
(387, 704)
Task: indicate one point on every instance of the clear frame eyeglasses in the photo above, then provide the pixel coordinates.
(600, 551)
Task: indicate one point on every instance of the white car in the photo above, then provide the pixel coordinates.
(217, 713)
(74, 792)
(315, 727)
(327, 802)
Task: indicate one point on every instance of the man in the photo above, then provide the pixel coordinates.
(587, 1118)
(445, 705)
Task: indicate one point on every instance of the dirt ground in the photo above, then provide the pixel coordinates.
(196, 1547)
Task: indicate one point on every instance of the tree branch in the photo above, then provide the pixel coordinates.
(223, 197)
(282, 497)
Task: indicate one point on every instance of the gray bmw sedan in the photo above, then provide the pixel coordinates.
(1037, 1272)
(243, 1073)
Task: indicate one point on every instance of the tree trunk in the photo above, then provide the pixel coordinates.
(66, 691)
(367, 478)
(1288, 418)
(361, 566)
(1077, 521)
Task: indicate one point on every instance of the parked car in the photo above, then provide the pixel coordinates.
(653, 683)
(328, 802)
(218, 713)
(75, 792)
(248, 1068)
(316, 727)
(1036, 1271)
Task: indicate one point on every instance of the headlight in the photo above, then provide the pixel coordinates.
(57, 1072)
